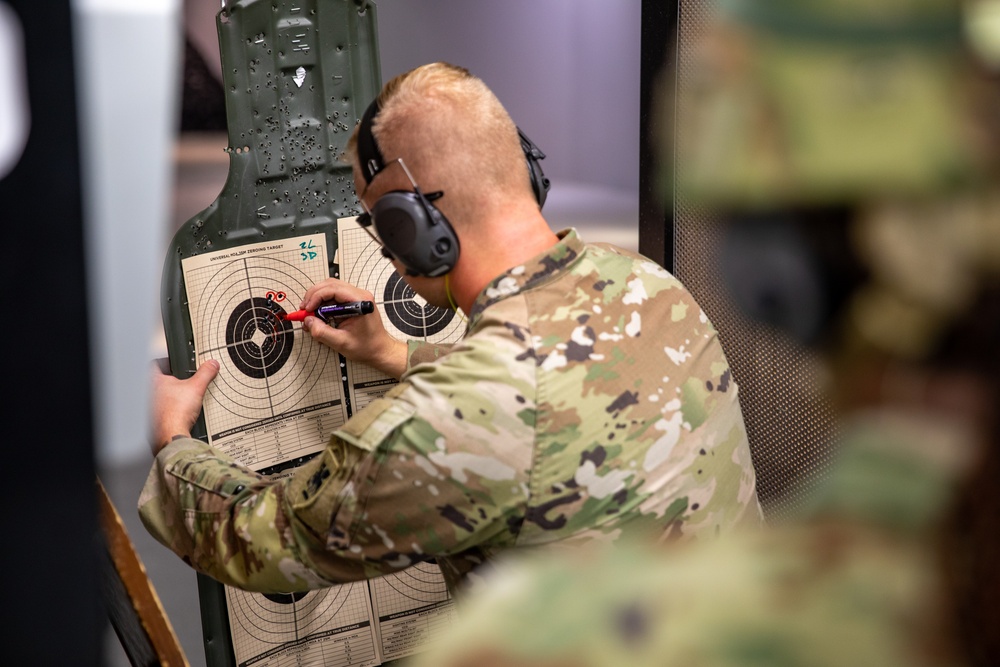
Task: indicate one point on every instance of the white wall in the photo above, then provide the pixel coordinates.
(567, 70)
(128, 78)
(568, 73)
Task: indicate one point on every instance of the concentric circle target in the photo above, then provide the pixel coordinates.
(256, 340)
(285, 598)
(420, 583)
(411, 315)
(269, 367)
(277, 619)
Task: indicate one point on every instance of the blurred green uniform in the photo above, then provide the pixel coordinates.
(819, 101)
(855, 582)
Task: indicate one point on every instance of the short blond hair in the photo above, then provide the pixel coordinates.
(451, 130)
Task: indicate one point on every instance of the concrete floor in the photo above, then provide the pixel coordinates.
(600, 214)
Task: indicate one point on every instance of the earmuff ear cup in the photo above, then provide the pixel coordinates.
(416, 233)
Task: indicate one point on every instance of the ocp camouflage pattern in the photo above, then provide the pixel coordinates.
(852, 578)
(589, 400)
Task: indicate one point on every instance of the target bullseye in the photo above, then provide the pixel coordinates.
(256, 340)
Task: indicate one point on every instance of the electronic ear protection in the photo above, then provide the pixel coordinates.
(411, 228)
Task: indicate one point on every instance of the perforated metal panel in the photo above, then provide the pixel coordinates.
(298, 75)
(790, 423)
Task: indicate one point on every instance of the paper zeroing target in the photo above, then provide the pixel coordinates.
(278, 393)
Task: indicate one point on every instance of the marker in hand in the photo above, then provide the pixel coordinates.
(331, 311)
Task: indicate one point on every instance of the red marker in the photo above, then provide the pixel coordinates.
(331, 311)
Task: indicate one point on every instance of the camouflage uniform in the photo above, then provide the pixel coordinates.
(589, 399)
(856, 581)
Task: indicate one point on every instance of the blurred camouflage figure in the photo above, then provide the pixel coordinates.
(853, 586)
(875, 125)
(589, 400)
(819, 101)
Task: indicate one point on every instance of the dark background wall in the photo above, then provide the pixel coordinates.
(49, 568)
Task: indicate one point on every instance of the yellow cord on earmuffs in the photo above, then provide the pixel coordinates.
(451, 299)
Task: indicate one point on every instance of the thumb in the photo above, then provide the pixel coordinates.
(205, 374)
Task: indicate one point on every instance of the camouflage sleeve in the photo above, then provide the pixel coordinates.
(239, 527)
(385, 494)
(414, 498)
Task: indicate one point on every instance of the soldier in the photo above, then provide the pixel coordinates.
(590, 399)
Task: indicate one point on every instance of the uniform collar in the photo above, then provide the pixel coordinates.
(532, 273)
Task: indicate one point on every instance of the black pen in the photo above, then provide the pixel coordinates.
(332, 311)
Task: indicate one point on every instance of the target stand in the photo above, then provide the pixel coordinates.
(298, 75)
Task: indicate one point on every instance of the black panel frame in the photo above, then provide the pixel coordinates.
(658, 60)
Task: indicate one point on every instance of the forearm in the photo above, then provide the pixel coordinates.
(393, 361)
(229, 522)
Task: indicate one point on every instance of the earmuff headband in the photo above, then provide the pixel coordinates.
(369, 155)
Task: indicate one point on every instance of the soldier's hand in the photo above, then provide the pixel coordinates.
(177, 403)
(362, 338)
